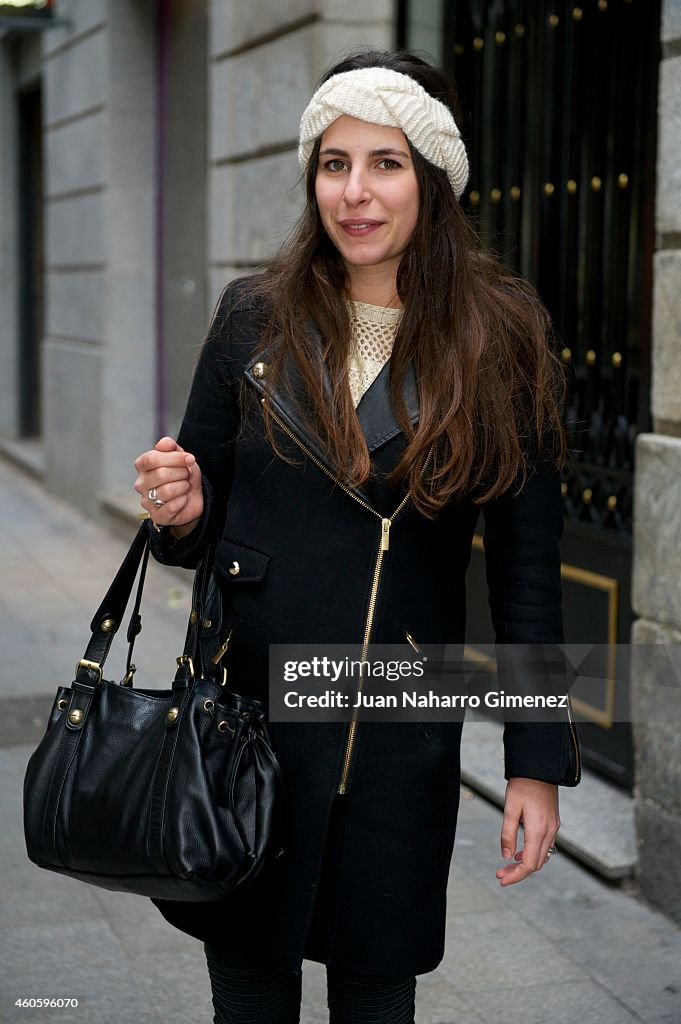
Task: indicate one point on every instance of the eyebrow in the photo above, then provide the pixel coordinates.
(373, 152)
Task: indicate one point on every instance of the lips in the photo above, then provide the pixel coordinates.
(359, 228)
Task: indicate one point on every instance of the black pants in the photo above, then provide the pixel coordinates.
(246, 996)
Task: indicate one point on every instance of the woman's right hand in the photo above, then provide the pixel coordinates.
(175, 477)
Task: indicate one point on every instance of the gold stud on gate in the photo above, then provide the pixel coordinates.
(76, 717)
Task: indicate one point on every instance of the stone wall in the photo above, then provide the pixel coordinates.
(99, 259)
(656, 597)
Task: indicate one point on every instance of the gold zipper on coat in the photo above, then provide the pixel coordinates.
(383, 546)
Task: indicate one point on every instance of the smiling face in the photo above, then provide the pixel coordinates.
(368, 199)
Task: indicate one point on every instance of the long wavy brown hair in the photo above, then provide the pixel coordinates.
(490, 386)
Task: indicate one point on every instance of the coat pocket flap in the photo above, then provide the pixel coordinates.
(237, 563)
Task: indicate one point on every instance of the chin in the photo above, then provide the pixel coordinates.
(364, 259)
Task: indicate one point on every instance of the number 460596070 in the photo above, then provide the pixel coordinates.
(51, 1001)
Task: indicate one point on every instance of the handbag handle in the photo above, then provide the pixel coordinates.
(108, 617)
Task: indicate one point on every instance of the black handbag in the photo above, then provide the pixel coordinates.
(174, 794)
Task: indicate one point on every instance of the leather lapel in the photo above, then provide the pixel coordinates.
(375, 412)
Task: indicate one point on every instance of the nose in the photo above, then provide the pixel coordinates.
(356, 187)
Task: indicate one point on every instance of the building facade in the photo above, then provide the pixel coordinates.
(148, 156)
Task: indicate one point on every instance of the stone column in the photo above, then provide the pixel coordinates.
(98, 352)
(265, 58)
(656, 597)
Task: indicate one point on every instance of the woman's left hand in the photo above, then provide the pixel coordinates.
(533, 804)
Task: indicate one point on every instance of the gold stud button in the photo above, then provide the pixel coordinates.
(577, 13)
(617, 359)
(234, 569)
(495, 195)
(193, 616)
(76, 717)
(590, 357)
(171, 716)
(587, 495)
(602, 5)
(564, 489)
(260, 370)
(515, 193)
(566, 354)
(474, 198)
(519, 31)
(596, 184)
(478, 43)
(571, 186)
(612, 502)
(107, 625)
(500, 38)
(623, 181)
(554, 21)
(549, 189)
(207, 623)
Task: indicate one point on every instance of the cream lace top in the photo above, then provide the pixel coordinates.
(373, 330)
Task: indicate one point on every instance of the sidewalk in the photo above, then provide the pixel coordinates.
(561, 948)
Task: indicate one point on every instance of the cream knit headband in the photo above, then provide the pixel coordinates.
(385, 97)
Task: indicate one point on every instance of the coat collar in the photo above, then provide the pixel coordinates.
(375, 411)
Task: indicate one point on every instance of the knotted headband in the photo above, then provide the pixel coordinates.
(385, 97)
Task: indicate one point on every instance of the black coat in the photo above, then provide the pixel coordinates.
(307, 552)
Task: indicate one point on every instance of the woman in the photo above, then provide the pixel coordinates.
(352, 410)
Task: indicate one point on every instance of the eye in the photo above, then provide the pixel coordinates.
(387, 164)
(334, 165)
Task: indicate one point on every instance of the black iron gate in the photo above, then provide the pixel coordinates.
(559, 110)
